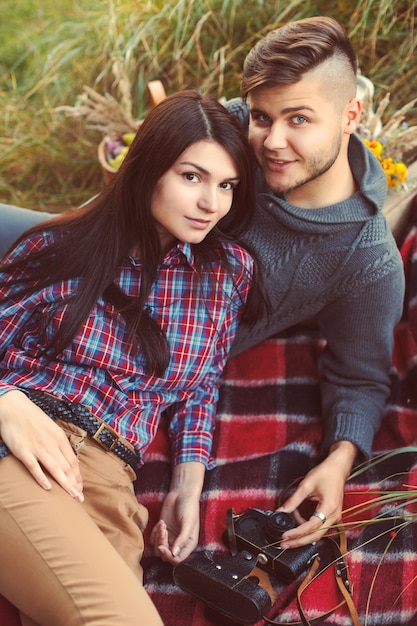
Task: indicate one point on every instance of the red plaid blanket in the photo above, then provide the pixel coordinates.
(268, 435)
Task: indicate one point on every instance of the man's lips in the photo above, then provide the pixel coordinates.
(278, 165)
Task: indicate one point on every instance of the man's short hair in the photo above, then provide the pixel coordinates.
(284, 55)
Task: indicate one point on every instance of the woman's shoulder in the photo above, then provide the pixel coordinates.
(29, 243)
(238, 256)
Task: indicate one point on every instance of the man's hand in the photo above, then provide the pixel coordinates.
(324, 485)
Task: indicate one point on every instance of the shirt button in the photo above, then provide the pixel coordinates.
(132, 379)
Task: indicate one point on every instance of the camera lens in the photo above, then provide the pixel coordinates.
(248, 523)
(277, 524)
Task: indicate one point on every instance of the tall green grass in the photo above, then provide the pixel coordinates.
(49, 51)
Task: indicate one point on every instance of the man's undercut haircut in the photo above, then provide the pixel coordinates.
(287, 53)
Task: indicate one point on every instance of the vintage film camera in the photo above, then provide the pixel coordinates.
(225, 583)
(233, 584)
(259, 532)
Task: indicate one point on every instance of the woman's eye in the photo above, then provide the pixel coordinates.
(192, 177)
(228, 186)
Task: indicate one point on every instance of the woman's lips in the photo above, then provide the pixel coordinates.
(198, 223)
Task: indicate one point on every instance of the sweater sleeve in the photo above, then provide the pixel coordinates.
(357, 360)
(240, 110)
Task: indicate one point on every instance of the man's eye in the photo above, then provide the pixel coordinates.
(261, 118)
(298, 120)
(192, 177)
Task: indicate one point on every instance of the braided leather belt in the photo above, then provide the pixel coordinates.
(77, 414)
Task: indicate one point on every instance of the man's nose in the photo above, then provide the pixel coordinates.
(276, 138)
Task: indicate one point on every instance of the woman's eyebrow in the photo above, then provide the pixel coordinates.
(204, 171)
(197, 167)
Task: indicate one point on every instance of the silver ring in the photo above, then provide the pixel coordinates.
(321, 516)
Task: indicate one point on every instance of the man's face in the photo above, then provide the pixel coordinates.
(296, 133)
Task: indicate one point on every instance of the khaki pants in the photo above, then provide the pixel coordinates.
(63, 563)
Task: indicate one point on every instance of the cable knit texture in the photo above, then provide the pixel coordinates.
(341, 266)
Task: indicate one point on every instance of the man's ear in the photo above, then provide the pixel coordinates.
(352, 115)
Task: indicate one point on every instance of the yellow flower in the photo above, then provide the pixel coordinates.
(375, 147)
(401, 170)
(395, 171)
(388, 165)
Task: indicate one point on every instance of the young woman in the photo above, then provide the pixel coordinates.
(109, 316)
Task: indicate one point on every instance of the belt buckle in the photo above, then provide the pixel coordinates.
(105, 427)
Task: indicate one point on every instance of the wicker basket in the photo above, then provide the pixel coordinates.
(157, 94)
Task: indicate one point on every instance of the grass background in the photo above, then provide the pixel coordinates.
(49, 50)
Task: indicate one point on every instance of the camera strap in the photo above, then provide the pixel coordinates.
(342, 578)
(231, 535)
(341, 571)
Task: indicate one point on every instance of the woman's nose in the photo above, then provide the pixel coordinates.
(208, 199)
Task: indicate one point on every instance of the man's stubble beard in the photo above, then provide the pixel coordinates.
(315, 170)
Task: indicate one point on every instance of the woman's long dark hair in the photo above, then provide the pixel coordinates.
(92, 242)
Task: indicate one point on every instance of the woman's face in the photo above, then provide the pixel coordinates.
(194, 194)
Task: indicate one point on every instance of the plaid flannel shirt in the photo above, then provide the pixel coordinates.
(199, 314)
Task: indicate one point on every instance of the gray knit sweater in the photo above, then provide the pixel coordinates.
(341, 266)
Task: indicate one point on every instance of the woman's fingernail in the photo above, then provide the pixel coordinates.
(77, 495)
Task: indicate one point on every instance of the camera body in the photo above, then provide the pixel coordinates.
(259, 532)
(226, 584)
(232, 584)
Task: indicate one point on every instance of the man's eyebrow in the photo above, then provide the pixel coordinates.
(295, 109)
(206, 172)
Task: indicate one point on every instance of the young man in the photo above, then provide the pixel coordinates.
(326, 249)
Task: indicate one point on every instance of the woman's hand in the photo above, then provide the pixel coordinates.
(324, 484)
(175, 536)
(39, 443)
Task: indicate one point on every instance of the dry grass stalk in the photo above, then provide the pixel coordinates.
(106, 113)
(103, 113)
(398, 140)
(391, 127)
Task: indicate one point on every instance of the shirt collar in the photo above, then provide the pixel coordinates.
(180, 253)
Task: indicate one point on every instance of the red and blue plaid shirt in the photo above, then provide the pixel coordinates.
(199, 315)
